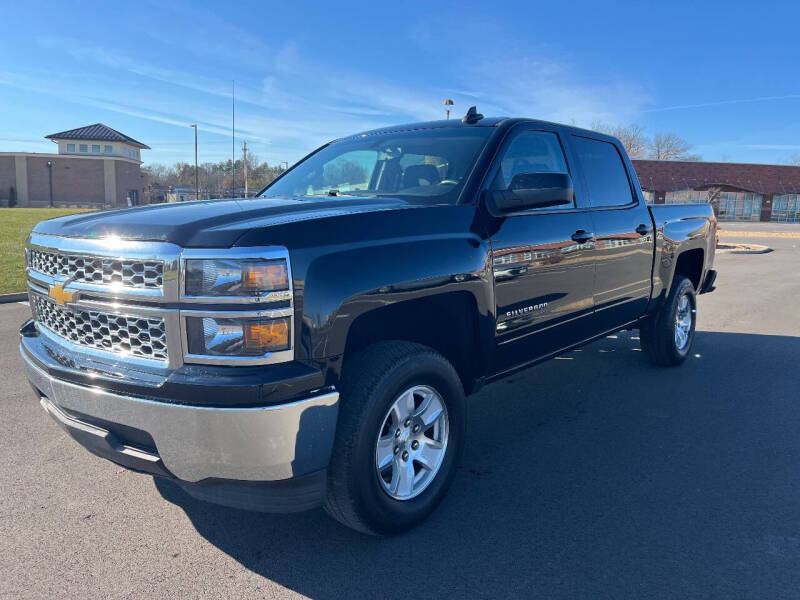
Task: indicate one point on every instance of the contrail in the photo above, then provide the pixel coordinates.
(723, 102)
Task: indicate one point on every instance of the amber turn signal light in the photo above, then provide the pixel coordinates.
(259, 277)
(266, 336)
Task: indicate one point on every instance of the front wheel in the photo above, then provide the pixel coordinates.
(666, 337)
(398, 439)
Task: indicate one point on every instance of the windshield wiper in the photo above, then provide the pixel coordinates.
(338, 193)
(328, 193)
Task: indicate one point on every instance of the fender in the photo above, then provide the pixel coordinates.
(344, 285)
(679, 229)
(346, 265)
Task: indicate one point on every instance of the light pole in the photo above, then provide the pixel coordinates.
(196, 185)
(50, 173)
(447, 104)
(244, 159)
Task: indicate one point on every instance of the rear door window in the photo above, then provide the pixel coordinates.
(606, 178)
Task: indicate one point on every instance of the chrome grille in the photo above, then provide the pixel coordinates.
(144, 337)
(99, 270)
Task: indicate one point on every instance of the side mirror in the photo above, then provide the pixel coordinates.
(532, 190)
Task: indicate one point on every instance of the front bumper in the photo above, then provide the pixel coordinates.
(214, 448)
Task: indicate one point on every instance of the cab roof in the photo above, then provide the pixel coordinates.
(458, 123)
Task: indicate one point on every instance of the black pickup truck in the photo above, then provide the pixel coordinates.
(313, 346)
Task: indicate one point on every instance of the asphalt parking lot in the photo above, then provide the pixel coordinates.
(592, 476)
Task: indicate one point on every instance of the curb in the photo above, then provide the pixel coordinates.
(7, 298)
(743, 249)
(759, 234)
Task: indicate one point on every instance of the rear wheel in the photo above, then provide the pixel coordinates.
(666, 337)
(398, 439)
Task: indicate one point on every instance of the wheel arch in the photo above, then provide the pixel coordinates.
(434, 291)
(449, 323)
(690, 265)
(684, 247)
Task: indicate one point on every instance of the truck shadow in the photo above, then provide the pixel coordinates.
(594, 475)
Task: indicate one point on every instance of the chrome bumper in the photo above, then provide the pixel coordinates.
(196, 443)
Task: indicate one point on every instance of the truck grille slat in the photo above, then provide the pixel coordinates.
(144, 337)
(148, 274)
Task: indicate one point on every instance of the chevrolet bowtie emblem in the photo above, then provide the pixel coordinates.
(60, 295)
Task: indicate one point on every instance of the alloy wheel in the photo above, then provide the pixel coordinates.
(412, 442)
(684, 316)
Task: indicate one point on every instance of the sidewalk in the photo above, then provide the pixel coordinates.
(759, 229)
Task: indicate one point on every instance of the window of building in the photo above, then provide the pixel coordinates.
(70, 147)
(604, 172)
(786, 208)
(649, 196)
(84, 148)
(739, 206)
(108, 149)
(687, 196)
(730, 206)
(96, 148)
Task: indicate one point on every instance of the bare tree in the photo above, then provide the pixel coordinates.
(215, 178)
(632, 137)
(668, 146)
(795, 160)
(161, 174)
(663, 146)
(600, 126)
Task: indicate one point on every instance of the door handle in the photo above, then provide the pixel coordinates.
(582, 236)
(643, 229)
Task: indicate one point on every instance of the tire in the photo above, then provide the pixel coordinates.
(373, 382)
(658, 334)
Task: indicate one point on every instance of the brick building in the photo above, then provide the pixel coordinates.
(738, 192)
(96, 166)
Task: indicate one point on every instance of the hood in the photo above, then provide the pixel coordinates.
(209, 223)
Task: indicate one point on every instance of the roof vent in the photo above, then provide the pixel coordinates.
(472, 116)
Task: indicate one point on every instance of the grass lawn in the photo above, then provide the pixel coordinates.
(15, 225)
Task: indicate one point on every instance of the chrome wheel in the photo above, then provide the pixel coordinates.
(412, 442)
(684, 317)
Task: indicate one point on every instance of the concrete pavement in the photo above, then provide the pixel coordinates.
(592, 476)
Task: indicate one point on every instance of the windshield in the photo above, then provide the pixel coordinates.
(422, 164)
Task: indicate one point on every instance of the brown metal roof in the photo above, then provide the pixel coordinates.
(669, 175)
(96, 132)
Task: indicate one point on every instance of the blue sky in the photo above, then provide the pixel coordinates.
(723, 75)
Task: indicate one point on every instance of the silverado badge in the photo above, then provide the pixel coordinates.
(60, 295)
(521, 311)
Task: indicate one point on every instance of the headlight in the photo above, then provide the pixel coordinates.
(223, 277)
(245, 336)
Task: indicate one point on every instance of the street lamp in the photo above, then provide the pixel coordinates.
(244, 160)
(448, 103)
(196, 185)
(50, 174)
